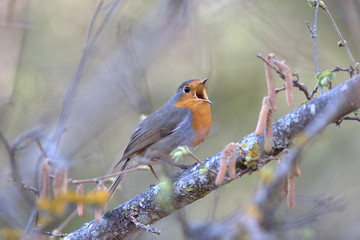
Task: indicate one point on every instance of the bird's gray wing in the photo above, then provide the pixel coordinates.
(153, 128)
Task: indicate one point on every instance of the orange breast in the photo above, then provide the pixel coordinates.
(202, 121)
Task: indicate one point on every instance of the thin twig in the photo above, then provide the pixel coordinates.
(14, 168)
(202, 164)
(347, 118)
(314, 91)
(74, 85)
(66, 222)
(55, 235)
(301, 86)
(214, 204)
(277, 90)
(296, 82)
(241, 173)
(143, 226)
(270, 158)
(272, 66)
(29, 188)
(314, 35)
(98, 179)
(339, 34)
(11, 153)
(104, 22)
(32, 219)
(349, 69)
(42, 150)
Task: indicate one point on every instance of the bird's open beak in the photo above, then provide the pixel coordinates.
(201, 91)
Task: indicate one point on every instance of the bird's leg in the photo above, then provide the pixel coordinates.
(182, 166)
(153, 172)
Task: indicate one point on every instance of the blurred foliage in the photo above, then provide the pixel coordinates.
(57, 205)
(140, 55)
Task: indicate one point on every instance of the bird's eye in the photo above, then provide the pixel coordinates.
(186, 89)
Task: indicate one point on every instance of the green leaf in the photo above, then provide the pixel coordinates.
(164, 197)
(179, 152)
(340, 43)
(203, 170)
(312, 3)
(324, 78)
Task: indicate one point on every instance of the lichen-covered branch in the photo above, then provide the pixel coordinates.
(189, 185)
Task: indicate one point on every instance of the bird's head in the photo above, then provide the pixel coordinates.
(192, 92)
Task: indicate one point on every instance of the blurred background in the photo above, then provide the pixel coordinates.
(139, 52)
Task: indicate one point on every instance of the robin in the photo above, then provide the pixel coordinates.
(185, 120)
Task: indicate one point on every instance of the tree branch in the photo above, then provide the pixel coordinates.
(189, 186)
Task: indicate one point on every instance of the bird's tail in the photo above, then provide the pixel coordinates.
(117, 181)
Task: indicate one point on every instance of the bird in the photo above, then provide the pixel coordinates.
(185, 120)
